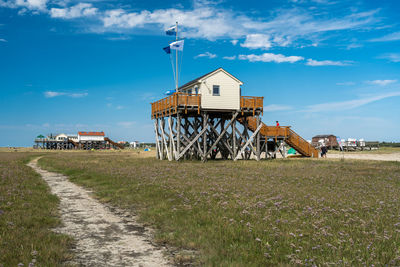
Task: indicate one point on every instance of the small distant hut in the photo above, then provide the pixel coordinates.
(328, 140)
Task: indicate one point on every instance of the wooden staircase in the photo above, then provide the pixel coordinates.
(121, 146)
(291, 138)
(76, 145)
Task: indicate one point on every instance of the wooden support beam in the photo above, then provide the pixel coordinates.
(248, 141)
(171, 138)
(222, 134)
(258, 137)
(205, 125)
(163, 138)
(191, 143)
(234, 145)
(178, 135)
(222, 140)
(158, 151)
(245, 138)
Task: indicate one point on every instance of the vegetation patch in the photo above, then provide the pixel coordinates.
(247, 213)
(28, 211)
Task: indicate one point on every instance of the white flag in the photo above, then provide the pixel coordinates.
(178, 45)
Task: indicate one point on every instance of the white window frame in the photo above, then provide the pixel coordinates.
(219, 90)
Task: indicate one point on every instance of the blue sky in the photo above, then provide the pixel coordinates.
(323, 66)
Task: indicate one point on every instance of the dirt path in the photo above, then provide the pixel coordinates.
(104, 237)
(384, 157)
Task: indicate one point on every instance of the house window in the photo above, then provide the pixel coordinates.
(189, 91)
(215, 89)
(196, 90)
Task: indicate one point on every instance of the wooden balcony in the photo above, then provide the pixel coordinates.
(169, 105)
(190, 102)
(251, 103)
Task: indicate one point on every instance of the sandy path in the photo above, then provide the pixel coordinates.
(104, 237)
(384, 157)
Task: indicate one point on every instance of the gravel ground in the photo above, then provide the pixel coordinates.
(104, 237)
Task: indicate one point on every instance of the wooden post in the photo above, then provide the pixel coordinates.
(234, 147)
(171, 139)
(205, 120)
(258, 155)
(164, 140)
(178, 135)
(157, 141)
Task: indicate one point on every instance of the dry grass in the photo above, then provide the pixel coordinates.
(27, 213)
(303, 212)
(381, 150)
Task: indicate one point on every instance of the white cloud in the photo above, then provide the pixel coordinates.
(393, 57)
(381, 82)
(77, 95)
(40, 5)
(234, 42)
(255, 41)
(51, 94)
(346, 83)
(280, 27)
(390, 37)
(3, 40)
(229, 58)
(314, 63)
(275, 107)
(79, 10)
(353, 45)
(351, 104)
(206, 54)
(270, 57)
(119, 107)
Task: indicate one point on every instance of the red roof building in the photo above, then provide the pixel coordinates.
(90, 136)
(91, 133)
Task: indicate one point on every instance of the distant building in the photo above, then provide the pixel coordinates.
(61, 137)
(134, 144)
(90, 136)
(73, 137)
(328, 140)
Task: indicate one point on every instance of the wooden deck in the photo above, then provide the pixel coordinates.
(170, 105)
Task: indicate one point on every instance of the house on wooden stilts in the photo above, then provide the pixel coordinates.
(209, 118)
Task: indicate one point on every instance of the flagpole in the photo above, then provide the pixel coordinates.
(176, 65)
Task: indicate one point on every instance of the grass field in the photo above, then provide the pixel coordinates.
(251, 213)
(27, 213)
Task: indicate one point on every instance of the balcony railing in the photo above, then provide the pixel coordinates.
(170, 104)
(251, 103)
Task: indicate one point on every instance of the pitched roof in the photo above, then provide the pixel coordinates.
(323, 136)
(192, 82)
(91, 133)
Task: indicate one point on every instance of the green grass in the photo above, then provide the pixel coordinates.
(280, 212)
(27, 213)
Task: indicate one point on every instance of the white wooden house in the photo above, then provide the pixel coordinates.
(90, 136)
(219, 90)
(61, 137)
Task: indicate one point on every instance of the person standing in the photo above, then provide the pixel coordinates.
(324, 151)
(277, 123)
